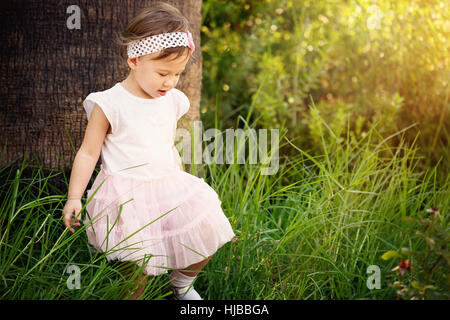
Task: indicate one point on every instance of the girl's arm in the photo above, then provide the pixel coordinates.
(88, 153)
(83, 166)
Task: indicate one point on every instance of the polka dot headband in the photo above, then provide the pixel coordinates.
(160, 41)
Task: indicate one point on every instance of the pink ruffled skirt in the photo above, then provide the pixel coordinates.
(169, 222)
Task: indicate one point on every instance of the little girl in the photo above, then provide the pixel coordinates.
(144, 207)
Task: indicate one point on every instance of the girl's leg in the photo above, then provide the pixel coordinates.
(182, 281)
(140, 281)
(197, 266)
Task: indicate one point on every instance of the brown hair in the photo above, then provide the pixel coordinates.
(159, 18)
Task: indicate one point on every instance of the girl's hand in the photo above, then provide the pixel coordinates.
(72, 207)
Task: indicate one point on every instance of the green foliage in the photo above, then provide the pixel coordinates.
(36, 249)
(310, 231)
(427, 269)
(383, 62)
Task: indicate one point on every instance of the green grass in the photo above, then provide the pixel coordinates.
(310, 231)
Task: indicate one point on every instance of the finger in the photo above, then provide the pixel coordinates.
(67, 223)
(75, 221)
(67, 219)
(74, 224)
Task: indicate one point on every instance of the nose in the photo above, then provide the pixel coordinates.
(171, 82)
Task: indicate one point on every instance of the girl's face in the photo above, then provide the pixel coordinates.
(156, 77)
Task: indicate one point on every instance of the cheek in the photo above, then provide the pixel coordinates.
(147, 78)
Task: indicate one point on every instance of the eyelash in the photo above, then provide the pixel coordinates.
(163, 75)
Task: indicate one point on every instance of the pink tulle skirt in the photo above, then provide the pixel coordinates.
(169, 222)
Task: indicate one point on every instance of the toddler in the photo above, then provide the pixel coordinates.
(142, 206)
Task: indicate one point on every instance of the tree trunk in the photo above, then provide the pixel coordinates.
(48, 69)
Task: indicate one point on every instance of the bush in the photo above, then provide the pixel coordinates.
(423, 273)
(387, 62)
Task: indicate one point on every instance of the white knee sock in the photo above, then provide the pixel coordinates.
(182, 282)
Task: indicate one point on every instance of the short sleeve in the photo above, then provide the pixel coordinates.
(107, 108)
(183, 104)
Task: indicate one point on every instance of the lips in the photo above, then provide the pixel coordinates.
(162, 92)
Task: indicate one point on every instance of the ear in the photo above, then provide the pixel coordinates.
(132, 63)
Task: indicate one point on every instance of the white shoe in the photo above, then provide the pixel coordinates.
(187, 293)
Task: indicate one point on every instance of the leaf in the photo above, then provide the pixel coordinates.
(407, 252)
(416, 285)
(390, 254)
(420, 234)
(430, 241)
(429, 287)
(408, 219)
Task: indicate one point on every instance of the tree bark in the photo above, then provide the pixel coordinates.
(48, 69)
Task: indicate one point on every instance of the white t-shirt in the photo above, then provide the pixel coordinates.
(142, 131)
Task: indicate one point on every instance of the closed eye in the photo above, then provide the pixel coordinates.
(164, 75)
